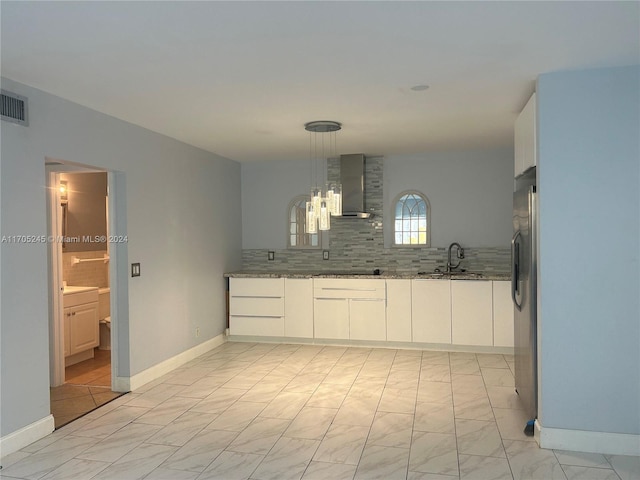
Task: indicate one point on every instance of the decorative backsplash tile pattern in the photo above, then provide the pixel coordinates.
(86, 274)
(357, 244)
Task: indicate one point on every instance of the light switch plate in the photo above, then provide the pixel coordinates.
(271, 255)
(325, 254)
(135, 269)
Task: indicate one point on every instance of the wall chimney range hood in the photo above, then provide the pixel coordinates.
(352, 180)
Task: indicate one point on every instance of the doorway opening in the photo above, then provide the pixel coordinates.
(83, 312)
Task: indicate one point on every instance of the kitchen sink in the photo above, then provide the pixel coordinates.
(465, 274)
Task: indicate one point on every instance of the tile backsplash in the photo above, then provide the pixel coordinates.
(357, 245)
(89, 274)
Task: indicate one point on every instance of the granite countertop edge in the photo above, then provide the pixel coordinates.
(383, 275)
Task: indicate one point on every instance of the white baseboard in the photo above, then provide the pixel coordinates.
(587, 441)
(127, 384)
(444, 347)
(26, 435)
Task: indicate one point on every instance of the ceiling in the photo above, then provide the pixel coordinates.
(240, 79)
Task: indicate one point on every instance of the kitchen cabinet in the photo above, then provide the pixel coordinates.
(81, 323)
(525, 152)
(431, 311)
(349, 309)
(471, 312)
(298, 307)
(502, 314)
(399, 310)
(256, 306)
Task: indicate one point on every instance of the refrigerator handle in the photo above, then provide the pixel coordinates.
(515, 268)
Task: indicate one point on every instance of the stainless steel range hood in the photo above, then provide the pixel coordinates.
(352, 179)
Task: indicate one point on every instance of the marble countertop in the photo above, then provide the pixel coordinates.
(383, 275)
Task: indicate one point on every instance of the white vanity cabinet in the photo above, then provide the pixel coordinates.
(256, 306)
(398, 310)
(502, 314)
(351, 309)
(81, 323)
(525, 138)
(298, 307)
(431, 311)
(471, 312)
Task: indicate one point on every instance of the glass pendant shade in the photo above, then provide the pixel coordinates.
(311, 223)
(324, 216)
(334, 199)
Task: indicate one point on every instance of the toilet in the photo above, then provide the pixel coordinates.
(104, 313)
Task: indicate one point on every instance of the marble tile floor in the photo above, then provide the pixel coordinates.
(87, 387)
(280, 412)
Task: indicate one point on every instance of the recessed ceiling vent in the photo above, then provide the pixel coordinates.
(14, 108)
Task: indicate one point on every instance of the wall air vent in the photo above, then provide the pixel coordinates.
(13, 108)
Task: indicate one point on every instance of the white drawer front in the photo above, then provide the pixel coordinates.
(348, 288)
(257, 306)
(259, 326)
(256, 287)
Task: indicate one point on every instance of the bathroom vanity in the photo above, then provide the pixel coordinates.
(81, 327)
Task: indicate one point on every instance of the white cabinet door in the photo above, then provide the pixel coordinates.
(525, 138)
(502, 314)
(471, 312)
(298, 307)
(331, 318)
(84, 328)
(367, 319)
(398, 310)
(431, 311)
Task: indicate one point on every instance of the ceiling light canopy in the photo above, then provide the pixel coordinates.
(323, 126)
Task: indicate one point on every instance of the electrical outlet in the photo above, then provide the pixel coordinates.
(325, 254)
(197, 332)
(135, 269)
(271, 255)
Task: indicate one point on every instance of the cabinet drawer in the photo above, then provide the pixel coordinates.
(257, 306)
(348, 288)
(259, 326)
(73, 299)
(256, 287)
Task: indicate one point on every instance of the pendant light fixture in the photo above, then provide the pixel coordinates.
(322, 204)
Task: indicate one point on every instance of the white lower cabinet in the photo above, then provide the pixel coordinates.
(399, 310)
(331, 318)
(471, 312)
(435, 311)
(502, 314)
(349, 309)
(256, 306)
(431, 311)
(81, 324)
(298, 307)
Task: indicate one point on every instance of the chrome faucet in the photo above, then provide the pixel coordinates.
(459, 254)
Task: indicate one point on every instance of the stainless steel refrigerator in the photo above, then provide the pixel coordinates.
(524, 293)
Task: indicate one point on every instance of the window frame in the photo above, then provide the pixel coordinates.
(294, 202)
(394, 204)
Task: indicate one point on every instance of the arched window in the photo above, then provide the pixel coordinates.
(297, 238)
(411, 219)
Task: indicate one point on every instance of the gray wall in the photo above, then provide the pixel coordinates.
(184, 226)
(470, 194)
(589, 184)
